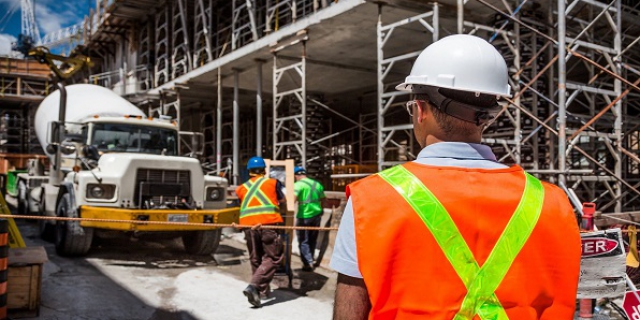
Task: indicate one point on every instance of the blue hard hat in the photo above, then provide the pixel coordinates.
(299, 170)
(256, 163)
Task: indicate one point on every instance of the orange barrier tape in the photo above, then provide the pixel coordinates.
(213, 225)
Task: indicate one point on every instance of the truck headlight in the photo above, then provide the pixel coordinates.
(214, 194)
(100, 191)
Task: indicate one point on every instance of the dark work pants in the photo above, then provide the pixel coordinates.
(265, 254)
(307, 238)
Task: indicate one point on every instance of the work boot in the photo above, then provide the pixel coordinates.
(307, 267)
(266, 294)
(252, 295)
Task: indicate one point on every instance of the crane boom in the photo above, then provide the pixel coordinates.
(29, 26)
(71, 64)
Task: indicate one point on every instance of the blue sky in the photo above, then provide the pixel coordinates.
(51, 15)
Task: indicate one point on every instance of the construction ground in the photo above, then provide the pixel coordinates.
(155, 280)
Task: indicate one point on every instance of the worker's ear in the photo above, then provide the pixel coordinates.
(422, 110)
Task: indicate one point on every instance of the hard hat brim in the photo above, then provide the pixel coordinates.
(409, 87)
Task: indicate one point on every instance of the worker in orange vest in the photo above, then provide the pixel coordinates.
(455, 234)
(262, 203)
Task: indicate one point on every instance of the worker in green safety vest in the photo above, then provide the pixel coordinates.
(310, 198)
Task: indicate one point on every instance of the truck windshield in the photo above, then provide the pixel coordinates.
(112, 137)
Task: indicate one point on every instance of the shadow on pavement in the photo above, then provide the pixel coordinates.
(301, 284)
(73, 288)
(161, 314)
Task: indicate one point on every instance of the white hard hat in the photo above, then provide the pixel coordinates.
(460, 62)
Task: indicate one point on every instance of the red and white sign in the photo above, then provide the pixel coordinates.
(597, 246)
(631, 305)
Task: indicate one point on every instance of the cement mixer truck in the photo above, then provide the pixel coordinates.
(110, 161)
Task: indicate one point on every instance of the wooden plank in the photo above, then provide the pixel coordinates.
(27, 256)
(20, 271)
(19, 288)
(289, 180)
(15, 282)
(34, 290)
(18, 300)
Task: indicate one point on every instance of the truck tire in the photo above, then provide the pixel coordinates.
(23, 201)
(45, 228)
(202, 242)
(68, 243)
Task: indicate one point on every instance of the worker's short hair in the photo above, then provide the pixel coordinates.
(257, 171)
(450, 125)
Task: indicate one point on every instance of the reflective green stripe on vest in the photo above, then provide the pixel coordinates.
(312, 192)
(481, 282)
(255, 191)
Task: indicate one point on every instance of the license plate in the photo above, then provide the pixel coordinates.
(178, 218)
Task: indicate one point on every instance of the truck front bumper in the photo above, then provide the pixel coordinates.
(227, 215)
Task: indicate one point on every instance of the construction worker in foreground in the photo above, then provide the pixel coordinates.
(261, 204)
(455, 234)
(310, 198)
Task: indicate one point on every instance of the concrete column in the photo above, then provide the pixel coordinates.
(562, 92)
(259, 110)
(219, 124)
(236, 127)
(460, 24)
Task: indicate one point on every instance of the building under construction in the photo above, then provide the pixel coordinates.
(314, 80)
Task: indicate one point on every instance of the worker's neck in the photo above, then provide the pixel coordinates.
(432, 139)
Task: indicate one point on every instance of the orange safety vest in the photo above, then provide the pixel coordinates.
(259, 201)
(407, 274)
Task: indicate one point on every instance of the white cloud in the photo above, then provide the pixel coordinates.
(9, 2)
(5, 44)
(48, 20)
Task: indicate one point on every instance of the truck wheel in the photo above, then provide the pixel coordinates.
(202, 242)
(47, 231)
(67, 243)
(45, 228)
(23, 202)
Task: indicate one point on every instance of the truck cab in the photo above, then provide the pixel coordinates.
(118, 171)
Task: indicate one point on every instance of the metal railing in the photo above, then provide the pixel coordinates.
(135, 81)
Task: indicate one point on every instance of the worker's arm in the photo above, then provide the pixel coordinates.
(352, 299)
(323, 198)
(283, 207)
(282, 200)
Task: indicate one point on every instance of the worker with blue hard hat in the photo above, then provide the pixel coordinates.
(256, 163)
(310, 198)
(261, 203)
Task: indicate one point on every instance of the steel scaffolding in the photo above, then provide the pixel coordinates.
(162, 65)
(584, 73)
(203, 20)
(395, 140)
(290, 109)
(573, 65)
(181, 59)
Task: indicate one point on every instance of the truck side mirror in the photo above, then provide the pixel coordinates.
(51, 148)
(197, 143)
(54, 134)
(91, 152)
(67, 148)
